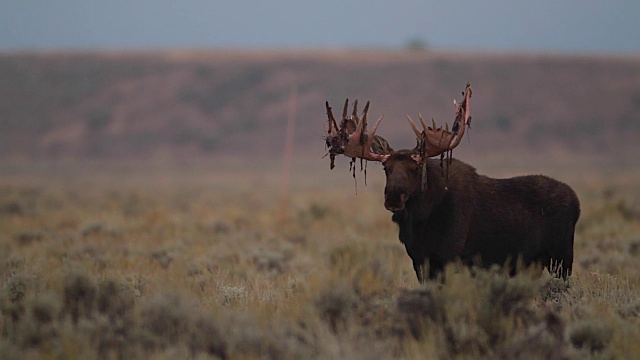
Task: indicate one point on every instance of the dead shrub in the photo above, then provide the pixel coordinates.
(553, 290)
(273, 261)
(207, 337)
(114, 300)
(79, 296)
(419, 307)
(335, 304)
(28, 237)
(45, 308)
(166, 317)
(10, 351)
(591, 335)
(162, 257)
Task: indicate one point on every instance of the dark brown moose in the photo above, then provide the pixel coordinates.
(446, 212)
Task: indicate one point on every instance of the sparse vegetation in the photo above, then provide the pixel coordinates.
(164, 264)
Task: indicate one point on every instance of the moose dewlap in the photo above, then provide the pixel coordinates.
(452, 213)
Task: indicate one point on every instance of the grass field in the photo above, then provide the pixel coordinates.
(168, 262)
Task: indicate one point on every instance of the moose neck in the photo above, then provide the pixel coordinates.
(424, 201)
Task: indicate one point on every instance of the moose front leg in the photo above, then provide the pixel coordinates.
(427, 269)
(420, 268)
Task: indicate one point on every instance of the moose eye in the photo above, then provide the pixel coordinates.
(416, 171)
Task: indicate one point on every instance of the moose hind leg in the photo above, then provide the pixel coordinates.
(567, 261)
(564, 266)
(562, 262)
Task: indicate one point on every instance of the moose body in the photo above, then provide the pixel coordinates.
(479, 220)
(446, 212)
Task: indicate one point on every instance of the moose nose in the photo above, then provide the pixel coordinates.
(394, 208)
(395, 202)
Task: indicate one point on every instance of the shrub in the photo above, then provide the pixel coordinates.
(166, 317)
(335, 305)
(591, 335)
(79, 296)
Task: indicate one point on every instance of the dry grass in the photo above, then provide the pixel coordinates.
(164, 264)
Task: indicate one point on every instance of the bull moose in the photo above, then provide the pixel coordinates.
(446, 211)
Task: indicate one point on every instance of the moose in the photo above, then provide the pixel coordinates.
(446, 212)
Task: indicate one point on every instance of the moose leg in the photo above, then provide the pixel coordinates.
(560, 265)
(420, 267)
(561, 262)
(436, 267)
(567, 259)
(427, 269)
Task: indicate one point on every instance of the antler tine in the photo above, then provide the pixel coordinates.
(354, 114)
(365, 111)
(344, 110)
(463, 117)
(344, 124)
(375, 127)
(424, 125)
(414, 127)
(363, 128)
(332, 120)
(359, 128)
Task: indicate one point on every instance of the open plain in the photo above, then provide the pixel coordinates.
(180, 261)
(132, 228)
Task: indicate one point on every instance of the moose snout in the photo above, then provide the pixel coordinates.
(394, 201)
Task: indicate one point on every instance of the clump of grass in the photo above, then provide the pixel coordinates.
(79, 296)
(232, 295)
(28, 237)
(15, 286)
(273, 261)
(162, 257)
(365, 266)
(38, 328)
(343, 258)
(419, 308)
(166, 317)
(591, 335)
(45, 308)
(115, 301)
(335, 305)
(553, 291)
(96, 229)
(10, 351)
(482, 314)
(207, 337)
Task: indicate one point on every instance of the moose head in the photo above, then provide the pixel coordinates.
(406, 170)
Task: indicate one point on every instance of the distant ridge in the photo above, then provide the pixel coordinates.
(206, 103)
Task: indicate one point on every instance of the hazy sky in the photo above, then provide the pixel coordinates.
(532, 25)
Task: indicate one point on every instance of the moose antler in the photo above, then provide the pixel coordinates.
(434, 141)
(351, 138)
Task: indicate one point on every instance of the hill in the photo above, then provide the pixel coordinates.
(220, 103)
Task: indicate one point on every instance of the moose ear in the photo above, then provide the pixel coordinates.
(416, 158)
